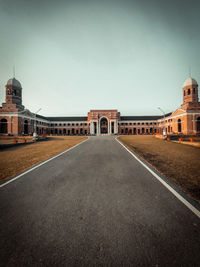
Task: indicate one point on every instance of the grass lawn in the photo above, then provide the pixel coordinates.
(178, 162)
(15, 160)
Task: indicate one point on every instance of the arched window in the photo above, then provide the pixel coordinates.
(184, 92)
(198, 124)
(193, 90)
(179, 125)
(4, 126)
(188, 91)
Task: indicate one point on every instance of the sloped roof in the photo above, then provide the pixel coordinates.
(140, 118)
(66, 118)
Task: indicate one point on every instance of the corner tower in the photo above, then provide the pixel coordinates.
(190, 95)
(14, 93)
(190, 91)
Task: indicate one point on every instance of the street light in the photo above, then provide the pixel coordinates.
(164, 132)
(35, 134)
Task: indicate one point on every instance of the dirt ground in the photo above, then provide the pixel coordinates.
(15, 160)
(178, 162)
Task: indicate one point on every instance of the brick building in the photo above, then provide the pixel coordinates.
(16, 120)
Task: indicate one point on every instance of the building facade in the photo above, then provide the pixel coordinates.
(16, 120)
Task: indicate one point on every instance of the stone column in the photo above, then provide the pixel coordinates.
(194, 124)
(99, 130)
(115, 127)
(91, 127)
(110, 127)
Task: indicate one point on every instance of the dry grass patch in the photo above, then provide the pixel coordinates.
(17, 159)
(178, 162)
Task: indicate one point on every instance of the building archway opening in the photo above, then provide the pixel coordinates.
(4, 126)
(25, 127)
(179, 125)
(198, 125)
(104, 126)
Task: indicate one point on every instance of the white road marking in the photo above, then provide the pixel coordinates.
(40, 164)
(182, 199)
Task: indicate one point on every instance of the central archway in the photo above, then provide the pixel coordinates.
(104, 125)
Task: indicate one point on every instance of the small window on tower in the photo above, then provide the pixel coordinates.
(184, 93)
(193, 90)
(188, 91)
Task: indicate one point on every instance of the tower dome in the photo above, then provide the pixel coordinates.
(14, 83)
(189, 82)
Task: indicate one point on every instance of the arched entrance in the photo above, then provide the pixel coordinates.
(25, 127)
(179, 125)
(198, 125)
(4, 126)
(104, 125)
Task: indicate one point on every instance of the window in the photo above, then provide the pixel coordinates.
(184, 93)
(68, 124)
(72, 124)
(147, 123)
(188, 91)
(76, 124)
(138, 123)
(193, 90)
(142, 123)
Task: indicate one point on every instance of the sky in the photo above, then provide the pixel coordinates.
(75, 55)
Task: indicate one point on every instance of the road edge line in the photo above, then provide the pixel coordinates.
(40, 164)
(172, 190)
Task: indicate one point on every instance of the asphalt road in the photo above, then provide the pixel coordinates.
(95, 206)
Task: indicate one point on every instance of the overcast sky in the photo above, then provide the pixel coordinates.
(73, 56)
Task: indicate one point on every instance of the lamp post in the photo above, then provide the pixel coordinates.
(35, 133)
(164, 132)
